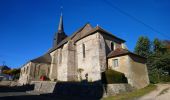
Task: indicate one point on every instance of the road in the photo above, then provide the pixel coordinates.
(161, 93)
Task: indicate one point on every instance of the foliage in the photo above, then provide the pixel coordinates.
(158, 60)
(111, 76)
(132, 95)
(12, 72)
(143, 46)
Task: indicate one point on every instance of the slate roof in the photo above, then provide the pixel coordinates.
(46, 58)
(99, 29)
(121, 52)
(83, 32)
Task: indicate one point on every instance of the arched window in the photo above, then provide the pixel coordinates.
(27, 70)
(83, 50)
(38, 70)
(34, 71)
(112, 46)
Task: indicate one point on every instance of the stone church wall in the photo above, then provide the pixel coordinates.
(32, 71)
(25, 74)
(87, 52)
(108, 40)
(53, 68)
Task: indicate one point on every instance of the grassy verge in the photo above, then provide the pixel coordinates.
(132, 95)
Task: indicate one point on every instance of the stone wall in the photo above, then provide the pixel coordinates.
(32, 71)
(135, 71)
(25, 74)
(87, 52)
(113, 89)
(94, 89)
(39, 69)
(44, 86)
(139, 72)
(108, 40)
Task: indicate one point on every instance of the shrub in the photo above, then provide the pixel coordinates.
(112, 76)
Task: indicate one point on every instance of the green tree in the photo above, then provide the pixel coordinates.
(159, 47)
(159, 62)
(143, 46)
(158, 58)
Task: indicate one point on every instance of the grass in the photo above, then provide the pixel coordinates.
(132, 95)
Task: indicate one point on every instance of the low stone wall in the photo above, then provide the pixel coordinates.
(113, 89)
(44, 86)
(80, 89)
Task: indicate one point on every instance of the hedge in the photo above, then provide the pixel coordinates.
(112, 76)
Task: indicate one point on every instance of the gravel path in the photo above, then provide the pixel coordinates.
(161, 93)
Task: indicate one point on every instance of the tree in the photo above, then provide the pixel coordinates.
(12, 72)
(158, 58)
(159, 47)
(143, 47)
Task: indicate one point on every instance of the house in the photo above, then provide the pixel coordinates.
(4, 76)
(84, 56)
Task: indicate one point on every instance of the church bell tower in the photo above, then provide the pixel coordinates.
(60, 34)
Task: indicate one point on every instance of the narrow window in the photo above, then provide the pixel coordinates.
(34, 71)
(60, 57)
(27, 70)
(83, 50)
(115, 63)
(112, 46)
(24, 70)
(38, 70)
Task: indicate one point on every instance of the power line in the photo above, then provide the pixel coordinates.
(134, 18)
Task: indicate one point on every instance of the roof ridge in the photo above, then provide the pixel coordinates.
(80, 29)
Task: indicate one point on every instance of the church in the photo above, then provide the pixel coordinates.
(84, 55)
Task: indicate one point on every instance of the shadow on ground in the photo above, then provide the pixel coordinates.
(66, 91)
(23, 88)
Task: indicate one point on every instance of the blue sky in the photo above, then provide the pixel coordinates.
(27, 26)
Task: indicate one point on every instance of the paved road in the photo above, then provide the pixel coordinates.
(161, 93)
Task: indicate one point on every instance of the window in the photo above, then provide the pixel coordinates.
(24, 69)
(27, 70)
(38, 69)
(112, 46)
(60, 59)
(34, 71)
(115, 63)
(83, 50)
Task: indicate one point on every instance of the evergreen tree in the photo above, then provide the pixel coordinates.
(158, 58)
(143, 46)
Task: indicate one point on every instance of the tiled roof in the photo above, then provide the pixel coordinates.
(121, 52)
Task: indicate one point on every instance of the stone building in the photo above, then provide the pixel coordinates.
(84, 56)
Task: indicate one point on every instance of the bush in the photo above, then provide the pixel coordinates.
(154, 76)
(111, 76)
(165, 78)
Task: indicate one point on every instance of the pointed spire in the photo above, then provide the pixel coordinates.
(60, 26)
(60, 35)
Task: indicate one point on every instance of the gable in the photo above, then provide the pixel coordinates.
(82, 32)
